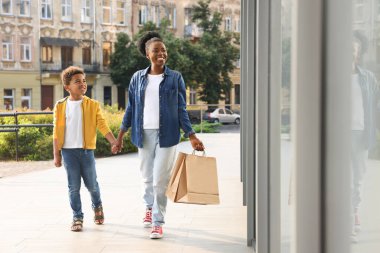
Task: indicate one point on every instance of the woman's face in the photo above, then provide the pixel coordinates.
(156, 53)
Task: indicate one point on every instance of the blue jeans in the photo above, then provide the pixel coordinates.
(156, 165)
(80, 163)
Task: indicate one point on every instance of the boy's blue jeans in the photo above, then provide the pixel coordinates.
(80, 163)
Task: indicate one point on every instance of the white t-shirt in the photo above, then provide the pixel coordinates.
(152, 102)
(74, 125)
(357, 104)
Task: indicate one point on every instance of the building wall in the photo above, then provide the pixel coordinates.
(16, 73)
(97, 31)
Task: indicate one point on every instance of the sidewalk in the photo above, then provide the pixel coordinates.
(36, 215)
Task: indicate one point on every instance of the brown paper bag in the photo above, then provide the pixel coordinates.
(194, 180)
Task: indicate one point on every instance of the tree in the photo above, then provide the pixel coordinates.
(125, 61)
(219, 54)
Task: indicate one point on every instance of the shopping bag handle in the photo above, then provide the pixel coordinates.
(204, 152)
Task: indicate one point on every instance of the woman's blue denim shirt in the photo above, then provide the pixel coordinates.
(173, 114)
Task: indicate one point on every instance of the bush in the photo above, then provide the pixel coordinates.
(37, 143)
(207, 127)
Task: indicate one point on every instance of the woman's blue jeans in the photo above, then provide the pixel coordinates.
(80, 163)
(156, 165)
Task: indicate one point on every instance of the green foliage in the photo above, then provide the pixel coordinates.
(219, 52)
(125, 61)
(205, 64)
(206, 127)
(113, 117)
(30, 139)
(37, 143)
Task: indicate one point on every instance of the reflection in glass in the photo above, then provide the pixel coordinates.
(287, 194)
(365, 115)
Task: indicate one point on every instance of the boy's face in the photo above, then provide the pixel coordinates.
(77, 87)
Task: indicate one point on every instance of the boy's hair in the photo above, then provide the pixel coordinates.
(68, 73)
(146, 40)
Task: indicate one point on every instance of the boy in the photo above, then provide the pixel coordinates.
(76, 119)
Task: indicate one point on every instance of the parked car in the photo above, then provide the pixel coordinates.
(221, 115)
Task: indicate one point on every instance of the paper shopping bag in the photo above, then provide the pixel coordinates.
(194, 180)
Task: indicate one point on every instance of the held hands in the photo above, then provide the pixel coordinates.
(116, 146)
(196, 143)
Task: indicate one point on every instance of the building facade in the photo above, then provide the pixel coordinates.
(41, 38)
(19, 61)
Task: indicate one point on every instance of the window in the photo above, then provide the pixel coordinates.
(107, 50)
(359, 11)
(237, 94)
(66, 10)
(171, 14)
(24, 8)
(227, 24)
(143, 14)
(46, 9)
(25, 49)
(6, 7)
(7, 48)
(121, 12)
(237, 25)
(237, 63)
(156, 15)
(107, 96)
(47, 54)
(86, 53)
(107, 11)
(8, 99)
(86, 11)
(26, 98)
(193, 96)
(188, 15)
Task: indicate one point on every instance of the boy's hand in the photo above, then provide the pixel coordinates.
(57, 160)
(114, 148)
(117, 146)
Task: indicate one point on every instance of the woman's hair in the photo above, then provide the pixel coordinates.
(146, 40)
(69, 72)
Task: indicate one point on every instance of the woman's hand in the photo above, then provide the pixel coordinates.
(196, 143)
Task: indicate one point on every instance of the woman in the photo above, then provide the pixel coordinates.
(156, 111)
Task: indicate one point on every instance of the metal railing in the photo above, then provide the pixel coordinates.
(16, 127)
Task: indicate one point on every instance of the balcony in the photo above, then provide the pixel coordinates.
(59, 66)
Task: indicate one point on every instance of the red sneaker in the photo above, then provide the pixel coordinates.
(147, 221)
(156, 232)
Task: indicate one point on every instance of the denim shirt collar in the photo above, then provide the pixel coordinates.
(146, 71)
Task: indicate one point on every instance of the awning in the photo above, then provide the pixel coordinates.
(59, 42)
